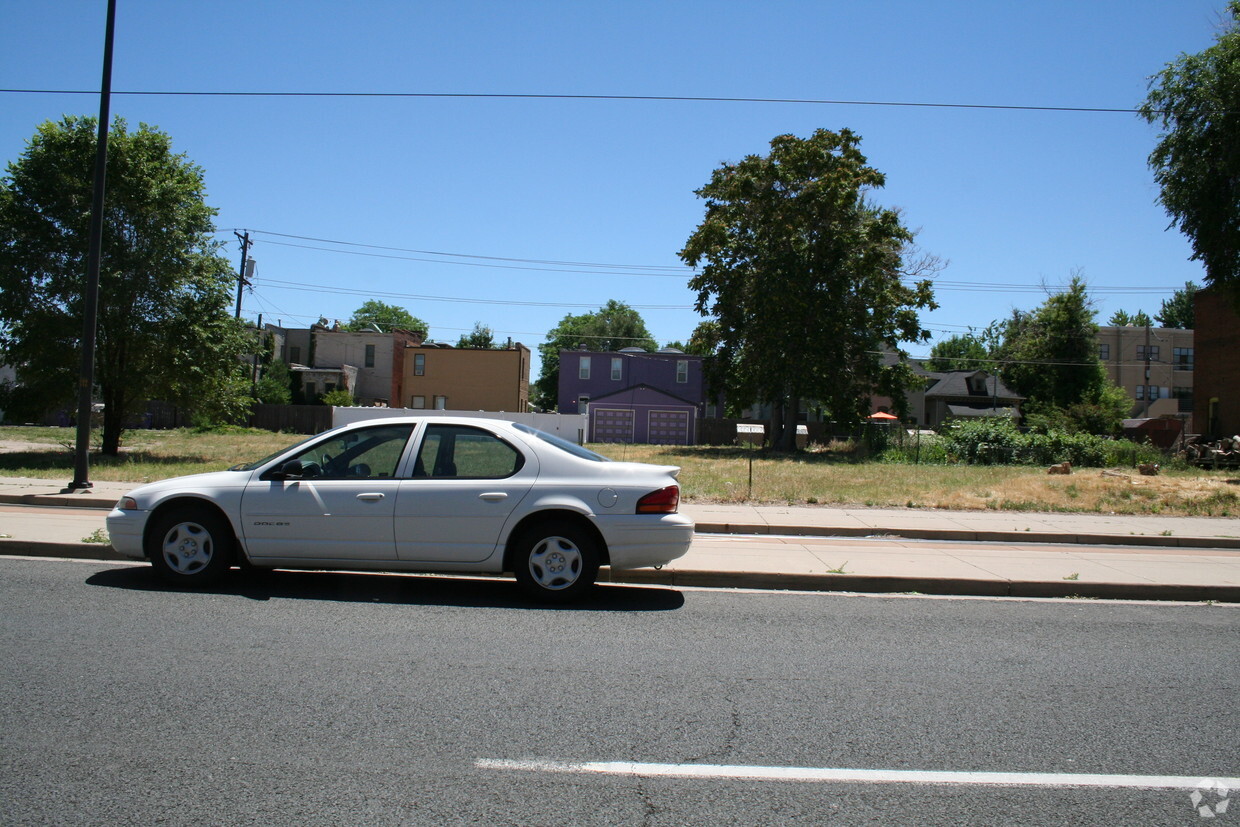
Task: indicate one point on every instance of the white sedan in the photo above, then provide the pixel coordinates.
(445, 494)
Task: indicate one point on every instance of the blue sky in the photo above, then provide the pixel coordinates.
(1011, 199)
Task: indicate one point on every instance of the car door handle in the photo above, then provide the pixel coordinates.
(493, 496)
(370, 498)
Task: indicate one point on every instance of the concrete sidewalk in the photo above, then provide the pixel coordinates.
(833, 549)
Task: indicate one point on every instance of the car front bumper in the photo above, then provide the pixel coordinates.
(125, 528)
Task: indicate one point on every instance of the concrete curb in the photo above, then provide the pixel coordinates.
(974, 536)
(959, 587)
(83, 499)
(43, 548)
(774, 581)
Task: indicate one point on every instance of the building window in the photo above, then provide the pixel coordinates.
(583, 403)
(1104, 352)
(682, 371)
(583, 368)
(617, 368)
(1147, 353)
(1150, 392)
(311, 390)
(441, 403)
(1185, 397)
(294, 355)
(419, 364)
(1183, 358)
(417, 402)
(370, 356)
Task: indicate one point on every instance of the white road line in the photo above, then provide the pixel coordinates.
(820, 774)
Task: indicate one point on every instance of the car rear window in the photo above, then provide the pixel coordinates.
(563, 444)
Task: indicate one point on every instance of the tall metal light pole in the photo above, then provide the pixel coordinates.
(90, 305)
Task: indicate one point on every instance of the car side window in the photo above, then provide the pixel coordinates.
(458, 451)
(372, 453)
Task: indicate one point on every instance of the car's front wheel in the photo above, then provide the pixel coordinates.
(190, 546)
(557, 562)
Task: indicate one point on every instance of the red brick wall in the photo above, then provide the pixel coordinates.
(1216, 374)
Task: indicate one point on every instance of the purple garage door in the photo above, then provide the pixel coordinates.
(612, 425)
(669, 428)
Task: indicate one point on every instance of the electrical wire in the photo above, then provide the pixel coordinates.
(565, 97)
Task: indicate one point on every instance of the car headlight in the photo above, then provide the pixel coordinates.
(127, 504)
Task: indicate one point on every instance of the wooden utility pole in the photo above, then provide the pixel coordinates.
(243, 273)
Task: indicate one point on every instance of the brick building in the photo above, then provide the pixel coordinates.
(1217, 410)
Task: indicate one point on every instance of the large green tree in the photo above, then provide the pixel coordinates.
(384, 316)
(805, 279)
(1195, 101)
(613, 326)
(164, 326)
(481, 337)
(1122, 318)
(1177, 311)
(959, 352)
(1050, 356)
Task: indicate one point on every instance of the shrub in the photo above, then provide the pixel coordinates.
(338, 398)
(998, 441)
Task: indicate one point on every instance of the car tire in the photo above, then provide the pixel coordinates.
(556, 562)
(190, 546)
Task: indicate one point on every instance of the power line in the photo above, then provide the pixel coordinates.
(600, 272)
(347, 291)
(466, 255)
(560, 266)
(552, 96)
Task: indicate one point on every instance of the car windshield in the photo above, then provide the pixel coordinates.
(563, 444)
(250, 466)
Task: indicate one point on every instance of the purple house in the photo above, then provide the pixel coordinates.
(634, 396)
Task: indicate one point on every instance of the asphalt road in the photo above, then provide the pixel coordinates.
(314, 698)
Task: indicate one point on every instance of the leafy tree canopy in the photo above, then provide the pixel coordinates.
(613, 326)
(386, 317)
(164, 326)
(275, 385)
(1177, 311)
(481, 337)
(705, 339)
(1122, 318)
(1195, 101)
(964, 352)
(804, 277)
(1050, 356)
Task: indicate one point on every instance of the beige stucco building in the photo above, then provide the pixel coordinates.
(1153, 364)
(466, 379)
(368, 364)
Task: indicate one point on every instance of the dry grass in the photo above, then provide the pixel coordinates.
(709, 475)
(145, 455)
(723, 475)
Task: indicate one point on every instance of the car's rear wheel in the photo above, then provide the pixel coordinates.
(557, 562)
(190, 546)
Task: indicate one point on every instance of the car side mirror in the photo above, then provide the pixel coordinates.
(291, 470)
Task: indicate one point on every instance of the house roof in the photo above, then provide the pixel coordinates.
(618, 396)
(956, 383)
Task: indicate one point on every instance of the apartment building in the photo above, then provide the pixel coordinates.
(1154, 365)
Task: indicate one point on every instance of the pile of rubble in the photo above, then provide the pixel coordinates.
(1223, 453)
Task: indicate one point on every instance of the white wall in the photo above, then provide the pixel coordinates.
(566, 426)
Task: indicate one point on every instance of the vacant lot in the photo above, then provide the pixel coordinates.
(709, 474)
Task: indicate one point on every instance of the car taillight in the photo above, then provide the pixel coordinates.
(663, 501)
